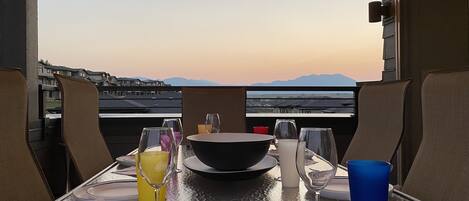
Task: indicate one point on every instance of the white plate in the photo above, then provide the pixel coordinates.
(118, 190)
(338, 189)
(129, 171)
(128, 160)
(195, 165)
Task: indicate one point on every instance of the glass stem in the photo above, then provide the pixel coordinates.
(176, 170)
(157, 194)
(316, 196)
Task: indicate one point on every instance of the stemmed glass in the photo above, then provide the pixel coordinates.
(285, 129)
(176, 125)
(316, 158)
(213, 119)
(155, 157)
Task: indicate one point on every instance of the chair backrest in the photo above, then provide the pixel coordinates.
(80, 126)
(380, 121)
(440, 170)
(20, 176)
(230, 103)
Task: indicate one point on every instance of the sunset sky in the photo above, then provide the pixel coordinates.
(227, 41)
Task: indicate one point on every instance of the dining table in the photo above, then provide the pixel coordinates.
(188, 185)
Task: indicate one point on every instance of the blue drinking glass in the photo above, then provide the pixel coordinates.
(368, 180)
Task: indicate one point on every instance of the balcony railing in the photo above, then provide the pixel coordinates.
(261, 100)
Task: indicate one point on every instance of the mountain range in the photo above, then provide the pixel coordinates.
(180, 81)
(307, 80)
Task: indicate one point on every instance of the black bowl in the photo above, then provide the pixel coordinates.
(230, 151)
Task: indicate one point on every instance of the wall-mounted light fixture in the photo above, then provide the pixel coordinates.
(376, 10)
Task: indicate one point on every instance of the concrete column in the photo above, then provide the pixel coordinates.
(19, 44)
(389, 44)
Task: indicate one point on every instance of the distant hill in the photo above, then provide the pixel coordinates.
(180, 81)
(143, 78)
(314, 80)
(307, 80)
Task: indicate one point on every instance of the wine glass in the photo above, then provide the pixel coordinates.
(213, 119)
(155, 157)
(176, 125)
(316, 158)
(285, 129)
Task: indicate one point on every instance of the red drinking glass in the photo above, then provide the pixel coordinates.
(260, 130)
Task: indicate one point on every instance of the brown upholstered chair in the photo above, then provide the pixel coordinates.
(20, 176)
(80, 126)
(440, 171)
(380, 121)
(230, 103)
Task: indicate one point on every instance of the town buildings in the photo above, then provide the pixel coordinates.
(46, 78)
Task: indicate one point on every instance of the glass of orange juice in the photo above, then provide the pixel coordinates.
(146, 192)
(154, 161)
(204, 128)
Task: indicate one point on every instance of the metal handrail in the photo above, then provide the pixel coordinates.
(354, 90)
